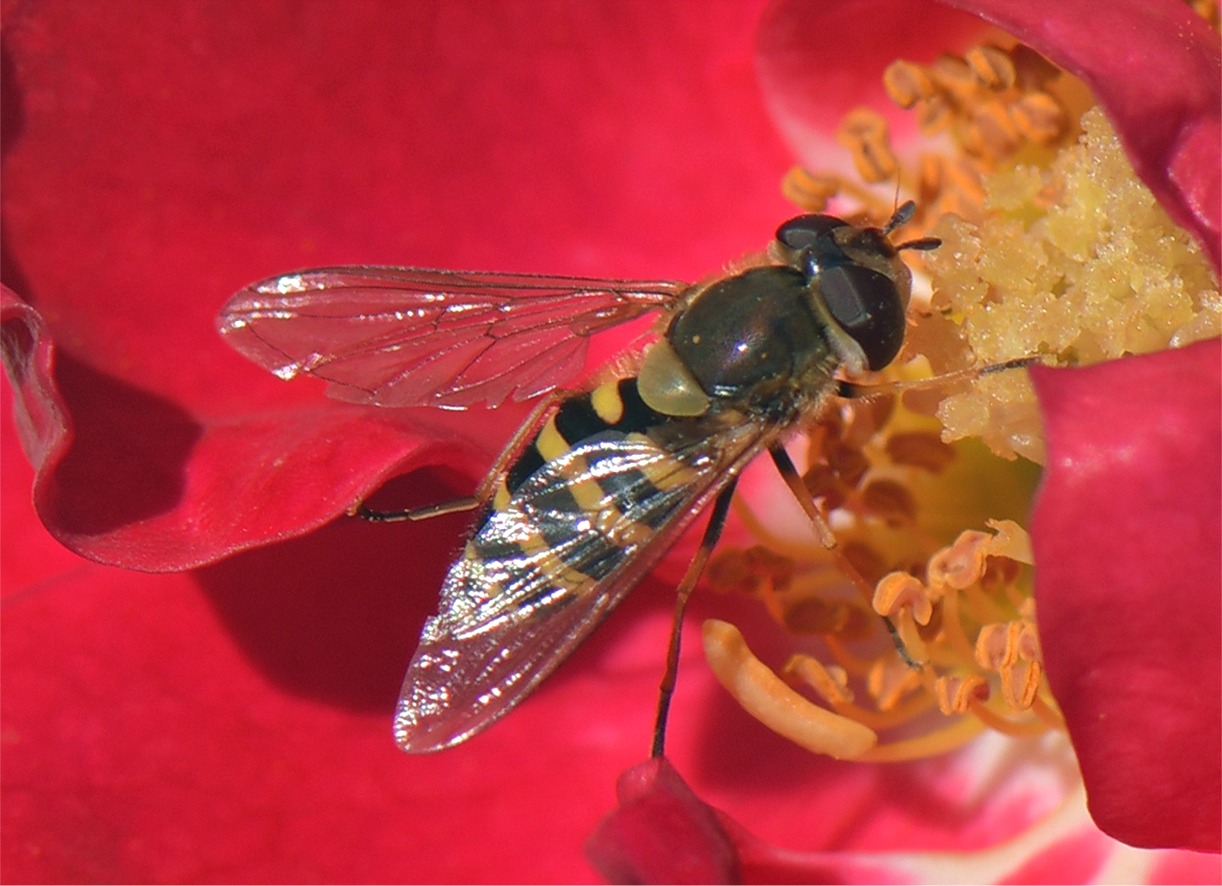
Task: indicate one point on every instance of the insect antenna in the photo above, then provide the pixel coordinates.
(924, 244)
(901, 217)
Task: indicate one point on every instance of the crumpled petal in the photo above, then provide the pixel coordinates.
(661, 832)
(41, 417)
(130, 479)
(1127, 533)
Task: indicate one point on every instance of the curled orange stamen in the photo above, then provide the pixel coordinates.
(766, 697)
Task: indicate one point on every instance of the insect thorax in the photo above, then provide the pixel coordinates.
(755, 342)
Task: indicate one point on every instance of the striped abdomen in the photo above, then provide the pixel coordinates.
(591, 488)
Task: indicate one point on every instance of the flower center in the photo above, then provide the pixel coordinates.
(961, 612)
(1051, 246)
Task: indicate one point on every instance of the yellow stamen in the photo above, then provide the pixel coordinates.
(956, 695)
(832, 683)
(960, 565)
(1018, 728)
(889, 681)
(762, 694)
(954, 637)
(939, 741)
(826, 682)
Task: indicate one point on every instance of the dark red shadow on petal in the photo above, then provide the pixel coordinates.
(127, 462)
(1127, 533)
(335, 615)
(12, 123)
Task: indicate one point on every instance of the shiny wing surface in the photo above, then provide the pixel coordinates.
(420, 337)
(541, 573)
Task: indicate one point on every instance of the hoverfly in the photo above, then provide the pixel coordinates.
(599, 481)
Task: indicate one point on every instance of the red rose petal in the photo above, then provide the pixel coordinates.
(1127, 532)
(143, 185)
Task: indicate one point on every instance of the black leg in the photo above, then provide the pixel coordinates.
(789, 473)
(453, 506)
(853, 391)
(717, 520)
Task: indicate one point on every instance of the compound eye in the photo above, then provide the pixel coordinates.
(806, 230)
(868, 306)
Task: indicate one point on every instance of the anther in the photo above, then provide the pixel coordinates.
(864, 133)
(889, 501)
(906, 83)
(957, 695)
(1038, 117)
(898, 591)
(889, 681)
(815, 615)
(830, 682)
(920, 450)
(992, 67)
(960, 565)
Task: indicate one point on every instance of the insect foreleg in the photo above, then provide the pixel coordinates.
(789, 473)
(717, 520)
(853, 391)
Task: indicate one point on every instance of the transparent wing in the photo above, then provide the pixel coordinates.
(541, 573)
(421, 337)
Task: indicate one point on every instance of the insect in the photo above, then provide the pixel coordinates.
(601, 480)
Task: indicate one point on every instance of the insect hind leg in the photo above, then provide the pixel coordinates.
(712, 532)
(789, 473)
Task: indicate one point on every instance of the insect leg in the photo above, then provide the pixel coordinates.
(454, 506)
(789, 473)
(717, 520)
(526, 431)
(854, 391)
